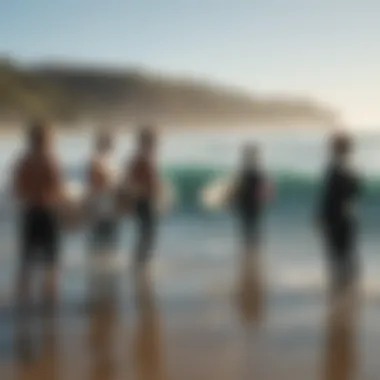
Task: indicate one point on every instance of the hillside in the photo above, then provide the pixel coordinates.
(73, 93)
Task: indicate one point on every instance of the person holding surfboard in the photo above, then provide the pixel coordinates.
(249, 195)
(337, 212)
(39, 188)
(144, 187)
(101, 200)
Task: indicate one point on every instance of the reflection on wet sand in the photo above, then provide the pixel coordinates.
(251, 299)
(36, 354)
(340, 352)
(101, 337)
(24, 350)
(50, 349)
(148, 343)
(251, 305)
(94, 347)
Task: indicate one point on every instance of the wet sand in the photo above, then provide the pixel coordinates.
(201, 322)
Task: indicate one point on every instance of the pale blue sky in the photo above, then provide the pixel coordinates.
(324, 48)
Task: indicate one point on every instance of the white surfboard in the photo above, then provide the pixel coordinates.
(217, 194)
(75, 191)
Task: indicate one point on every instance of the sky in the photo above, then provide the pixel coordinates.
(323, 49)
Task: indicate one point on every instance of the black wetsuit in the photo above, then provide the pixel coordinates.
(338, 218)
(248, 203)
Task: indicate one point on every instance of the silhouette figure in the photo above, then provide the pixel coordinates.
(102, 196)
(338, 213)
(249, 197)
(143, 183)
(102, 203)
(38, 186)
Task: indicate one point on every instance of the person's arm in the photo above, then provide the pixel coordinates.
(92, 175)
(19, 180)
(267, 190)
(323, 203)
(354, 189)
(57, 181)
(89, 189)
(231, 193)
(130, 180)
(156, 182)
(126, 187)
(357, 185)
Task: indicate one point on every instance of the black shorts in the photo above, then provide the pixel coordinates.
(39, 235)
(104, 234)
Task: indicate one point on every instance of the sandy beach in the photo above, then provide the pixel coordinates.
(202, 323)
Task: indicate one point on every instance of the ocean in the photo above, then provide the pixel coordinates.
(191, 238)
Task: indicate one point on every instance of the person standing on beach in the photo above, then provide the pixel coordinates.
(38, 187)
(250, 194)
(143, 184)
(337, 213)
(102, 196)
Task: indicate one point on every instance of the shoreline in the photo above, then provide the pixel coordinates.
(231, 315)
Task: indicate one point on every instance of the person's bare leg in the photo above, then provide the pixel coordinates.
(50, 285)
(23, 287)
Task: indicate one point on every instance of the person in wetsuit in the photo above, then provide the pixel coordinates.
(102, 196)
(143, 184)
(249, 197)
(337, 214)
(38, 187)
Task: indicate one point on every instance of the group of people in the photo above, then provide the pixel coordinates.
(336, 210)
(40, 188)
(46, 204)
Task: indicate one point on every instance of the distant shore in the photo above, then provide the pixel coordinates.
(12, 128)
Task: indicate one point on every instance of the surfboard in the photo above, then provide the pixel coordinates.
(217, 194)
(75, 191)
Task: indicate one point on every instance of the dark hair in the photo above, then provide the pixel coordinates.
(146, 135)
(38, 131)
(250, 148)
(250, 152)
(341, 144)
(103, 140)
